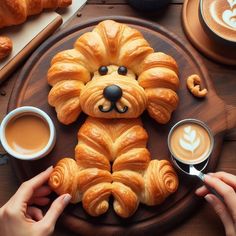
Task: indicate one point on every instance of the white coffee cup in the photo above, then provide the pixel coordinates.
(28, 110)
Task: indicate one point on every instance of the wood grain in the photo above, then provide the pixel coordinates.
(203, 221)
(42, 36)
(111, 2)
(32, 89)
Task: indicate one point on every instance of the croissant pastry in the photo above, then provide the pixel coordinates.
(146, 79)
(5, 47)
(15, 12)
(134, 178)
(112, 74)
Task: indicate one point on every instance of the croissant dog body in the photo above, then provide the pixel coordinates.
(113, 75)
(132, 178)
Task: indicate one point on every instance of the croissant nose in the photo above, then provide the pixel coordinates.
(112, 93)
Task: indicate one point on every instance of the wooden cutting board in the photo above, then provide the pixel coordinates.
(26, 37)
(32, 89)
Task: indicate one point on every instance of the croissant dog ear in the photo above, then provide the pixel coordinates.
(158, 75)
(67, 78)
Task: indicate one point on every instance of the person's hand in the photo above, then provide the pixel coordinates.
(225, 185)
(20, 217)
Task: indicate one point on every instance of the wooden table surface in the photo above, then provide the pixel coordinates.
(203, 221)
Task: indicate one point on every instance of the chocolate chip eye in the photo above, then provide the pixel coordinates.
(103, 70)
(122, 70)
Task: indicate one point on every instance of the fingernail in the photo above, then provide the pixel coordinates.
(197, 191)
(211, 174)
(49, 168)
(207, 176)
(209, 198)
(67, 198)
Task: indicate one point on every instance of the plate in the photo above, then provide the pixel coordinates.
(31, 88)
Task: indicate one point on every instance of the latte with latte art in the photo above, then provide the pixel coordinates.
(220, 17)
(190, 141)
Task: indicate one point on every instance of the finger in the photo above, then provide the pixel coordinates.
(26, 190)
(55, 210)
(226, 177)
(34, 213)
(222, 211)
(42, 191)
(40, 201)
(226, 191)
(202, 191)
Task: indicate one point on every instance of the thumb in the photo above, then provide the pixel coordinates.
(55, 210)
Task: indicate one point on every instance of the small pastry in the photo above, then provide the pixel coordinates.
(193, 84)
(5, 47)
(16, 12)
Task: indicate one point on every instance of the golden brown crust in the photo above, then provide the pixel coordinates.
(95, 199)
(136, 159)
(65, 97)
(160, 181)
(161, 103)
(122, 141)
(64, 179)
(125, 200)
(159, 60)
(5, 47)
(111, 138)
(92, 176)
(113, 43)
(15, 12)
(193, 84)
(159, 78)
(134, 177)
(133, 96)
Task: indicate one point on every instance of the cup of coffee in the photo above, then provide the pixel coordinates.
(218, 18)
(190, 141)
(27, 133)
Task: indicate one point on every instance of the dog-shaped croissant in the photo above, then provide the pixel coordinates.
(113, 75)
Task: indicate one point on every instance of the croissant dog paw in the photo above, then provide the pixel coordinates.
(94, 186)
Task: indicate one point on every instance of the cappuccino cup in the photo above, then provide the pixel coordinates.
(190, 141)
(218, 18)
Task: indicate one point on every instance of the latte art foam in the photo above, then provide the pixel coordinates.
(220, 16)
(226, 19)
(190, 143)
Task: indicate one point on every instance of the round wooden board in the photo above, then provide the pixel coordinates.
(31, 88)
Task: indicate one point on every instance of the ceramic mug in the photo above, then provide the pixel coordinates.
(218, 20)
(21, 112)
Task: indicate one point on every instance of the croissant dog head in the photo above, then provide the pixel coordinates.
(112, 72)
